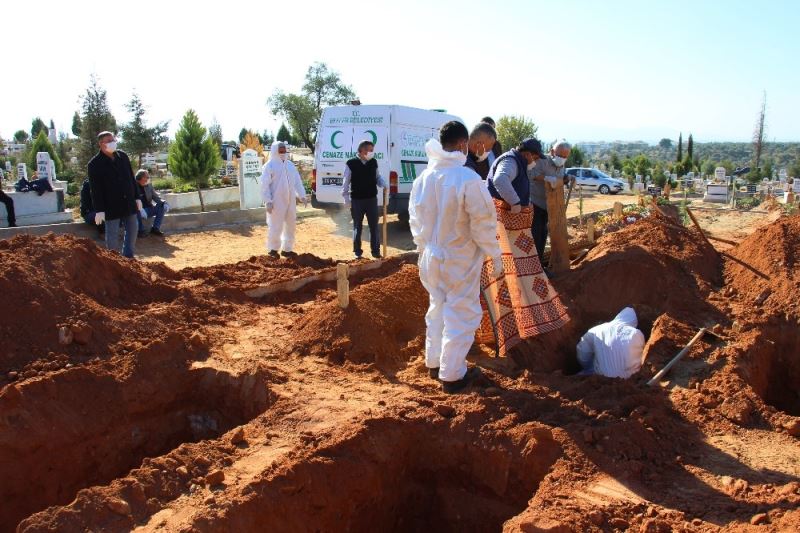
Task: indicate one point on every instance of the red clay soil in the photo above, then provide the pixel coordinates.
(382, 315)
(225, 423)
(762, 271)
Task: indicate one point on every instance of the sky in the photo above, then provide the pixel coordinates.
(581, 70)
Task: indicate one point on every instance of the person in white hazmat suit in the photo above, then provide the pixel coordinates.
(280, 186)
(613, 349)
(454, 226)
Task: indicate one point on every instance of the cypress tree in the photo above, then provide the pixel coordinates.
(679, 157)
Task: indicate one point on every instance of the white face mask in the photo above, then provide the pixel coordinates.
(283, 156)
(112, 146)
(531, 165)
(369, 155)
(559, 161)
(481, 158)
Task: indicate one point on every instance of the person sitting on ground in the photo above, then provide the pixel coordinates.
(481, 140)
(152, 204)
(87, 209)
(613, 349)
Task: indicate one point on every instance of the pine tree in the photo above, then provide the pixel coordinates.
(37, 125)
(193, 156)
(95, 117)
(42, 144)
(242, 133)
(283, 134)
(136, 136)
(215, 132)
(76, 124)
(679, 157)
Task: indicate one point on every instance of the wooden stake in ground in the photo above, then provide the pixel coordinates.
(697, 225)
(343, 284)
(557, 223)
(385, 222)
(590, 230)
(667, 189)
(617, 210)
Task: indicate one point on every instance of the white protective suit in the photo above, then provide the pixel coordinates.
(613, 349)
(280, 185)
(454, 225)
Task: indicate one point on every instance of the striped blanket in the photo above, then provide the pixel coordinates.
(521, 303)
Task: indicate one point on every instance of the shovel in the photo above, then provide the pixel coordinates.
(661, 373)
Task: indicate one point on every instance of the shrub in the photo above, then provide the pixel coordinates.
(161, 184)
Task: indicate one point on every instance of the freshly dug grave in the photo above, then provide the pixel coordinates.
(762, 271)
(88, 425)
(383, 316)
(655, 266)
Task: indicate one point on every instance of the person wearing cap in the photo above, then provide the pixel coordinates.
(360, 191)
(521, 303)
(551, 170)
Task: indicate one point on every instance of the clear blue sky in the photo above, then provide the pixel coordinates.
(584, 70)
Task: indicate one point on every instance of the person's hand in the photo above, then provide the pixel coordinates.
(138, 205)
(269, 207)
(497, 266)
(347, 203)
(99, 218)
(166, 207)
(552, 180)
(516, 209)
(143, 213)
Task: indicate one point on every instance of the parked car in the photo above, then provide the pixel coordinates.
(595, 180)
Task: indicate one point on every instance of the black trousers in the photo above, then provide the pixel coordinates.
(6, 199)
(539, 230)
(369, 207)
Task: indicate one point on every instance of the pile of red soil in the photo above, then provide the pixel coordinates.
(762, 271)
(383, 316)
(256, 271)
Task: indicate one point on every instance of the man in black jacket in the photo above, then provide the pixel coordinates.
(87, 209)
(9, 202)
(360, 191)
(114, 193)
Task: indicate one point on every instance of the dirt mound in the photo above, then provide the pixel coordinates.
(763, 269)
(258, 270)
(383, 317)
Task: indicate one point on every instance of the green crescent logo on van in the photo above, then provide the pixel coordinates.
(333, 139)
(374, 136)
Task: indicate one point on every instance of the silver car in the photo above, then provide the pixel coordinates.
(594, 180)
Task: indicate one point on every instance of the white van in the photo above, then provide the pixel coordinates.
(399, 134)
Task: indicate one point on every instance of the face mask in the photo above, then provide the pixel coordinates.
(369, 155)
(481, 158)
(531, 165)
(283, 156)
(112, 146)
(559, 161)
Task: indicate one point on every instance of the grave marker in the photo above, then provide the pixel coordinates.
(22, 171)
(249, 180)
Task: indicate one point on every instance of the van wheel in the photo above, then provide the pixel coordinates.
(604, 189)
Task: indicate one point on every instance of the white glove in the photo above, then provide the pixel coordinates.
(552, 180)
(269, 207)
(143, 213)
(347, 202)
(138, 205)
(99, 218)
(516, 208)
(166, 207)
(497, 266)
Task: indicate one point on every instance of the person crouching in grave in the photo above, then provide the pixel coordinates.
(360, 191)
(281, 187)
(613, 349)
(152, 204)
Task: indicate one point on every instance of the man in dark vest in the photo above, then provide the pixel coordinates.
(360, 191)
(508, 177)
(481, 140)
(497, 149)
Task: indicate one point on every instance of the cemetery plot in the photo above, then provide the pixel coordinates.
(136, 396)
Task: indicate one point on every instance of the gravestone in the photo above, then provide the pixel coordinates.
(8, 166)
(149, 160)
(796, 185)
(22, 171)
(43, 166)
(249, 180)
(719, 174)
(638, 178)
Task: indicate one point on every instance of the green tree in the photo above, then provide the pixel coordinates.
(194, 157)
(242, 134)
(42, 144)
(95, 117)
(768, 169)
(215, 132)
(576, 158)
(794, 169)
(708, 167)
(76, 124)
(323, 87)
(665, 144)
(657, 174)
(37, 125)
(615, 161)
(137, 138)
(690, 148)
(283, 134)
(21, 136)
(679, 156)
(512, 129)
(642, 164)
(267, 138)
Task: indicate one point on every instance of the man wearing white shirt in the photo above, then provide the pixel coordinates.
(360, 192)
